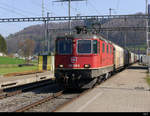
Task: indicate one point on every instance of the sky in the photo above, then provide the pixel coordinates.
(33, 8)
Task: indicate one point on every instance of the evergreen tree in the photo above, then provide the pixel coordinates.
(3, 45)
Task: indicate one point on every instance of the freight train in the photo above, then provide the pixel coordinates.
(81, 59)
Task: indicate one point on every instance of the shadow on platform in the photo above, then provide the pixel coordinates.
(138, 67)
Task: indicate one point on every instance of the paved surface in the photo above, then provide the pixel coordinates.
(127, 91)
(7, 82)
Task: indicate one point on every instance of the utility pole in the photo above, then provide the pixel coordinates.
(44, 46)
(42, 8)
(110, 9)
(125, 35)
(69, 10)
(48, 41)
(45, 35)
(125, 39)
(69, 13)
(147, 26)
(45, 29)
(147, 35)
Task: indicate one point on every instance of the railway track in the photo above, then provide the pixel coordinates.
(11, 104)
(53, 102)
(56, 101)
(49, 101)
(23, 109)
(23, 88)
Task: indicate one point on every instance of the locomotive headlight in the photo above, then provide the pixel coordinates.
(61, 66)
(87, 66)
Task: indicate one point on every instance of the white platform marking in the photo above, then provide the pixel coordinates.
(84, 106)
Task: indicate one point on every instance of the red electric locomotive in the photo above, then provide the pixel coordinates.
(81, 59)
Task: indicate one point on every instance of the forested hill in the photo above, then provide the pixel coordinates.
(36, 33)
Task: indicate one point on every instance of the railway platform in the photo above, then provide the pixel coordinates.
(126, 91)
(13, 81)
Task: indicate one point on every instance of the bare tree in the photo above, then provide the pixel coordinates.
(27, 47)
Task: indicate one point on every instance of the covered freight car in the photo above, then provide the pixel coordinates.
(126, 57)
(132, 58)
(118, 57)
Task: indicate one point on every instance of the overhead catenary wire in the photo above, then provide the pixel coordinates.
(39, 5)
(17, 9)
(75, 9)
(118, 3)
(9, 10)
(44, 7)
(92, 6)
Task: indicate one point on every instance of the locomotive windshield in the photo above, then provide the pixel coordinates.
(84, 46)
(87, 46)
(64, 46)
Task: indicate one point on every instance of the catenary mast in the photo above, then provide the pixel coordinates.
(69, 10)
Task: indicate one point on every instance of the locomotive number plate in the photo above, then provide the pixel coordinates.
(74, 65)
(73, 59)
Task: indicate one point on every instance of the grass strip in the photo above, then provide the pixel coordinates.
(148, 79)
(17, 69)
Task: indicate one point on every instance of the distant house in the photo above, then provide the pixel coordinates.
(1, 54)
(16, 55)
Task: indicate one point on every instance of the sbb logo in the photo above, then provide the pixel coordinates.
(73, 59)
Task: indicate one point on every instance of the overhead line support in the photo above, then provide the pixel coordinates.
(36, 19)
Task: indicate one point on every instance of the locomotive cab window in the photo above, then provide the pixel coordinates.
(110, 49)
(64, 46)
(84, 46)
(107, 49)
(95, 46)
(103, 47)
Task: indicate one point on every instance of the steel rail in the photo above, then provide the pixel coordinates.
(23, 109)
(73, 99)
(13, 93)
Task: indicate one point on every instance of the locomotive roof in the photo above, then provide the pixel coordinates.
(84, 36)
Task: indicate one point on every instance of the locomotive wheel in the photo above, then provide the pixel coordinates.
(60, 82)
(100, 79)
(109, 75)
(91, 83)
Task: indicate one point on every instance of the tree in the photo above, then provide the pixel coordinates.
(27, 47)
(3, 45)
